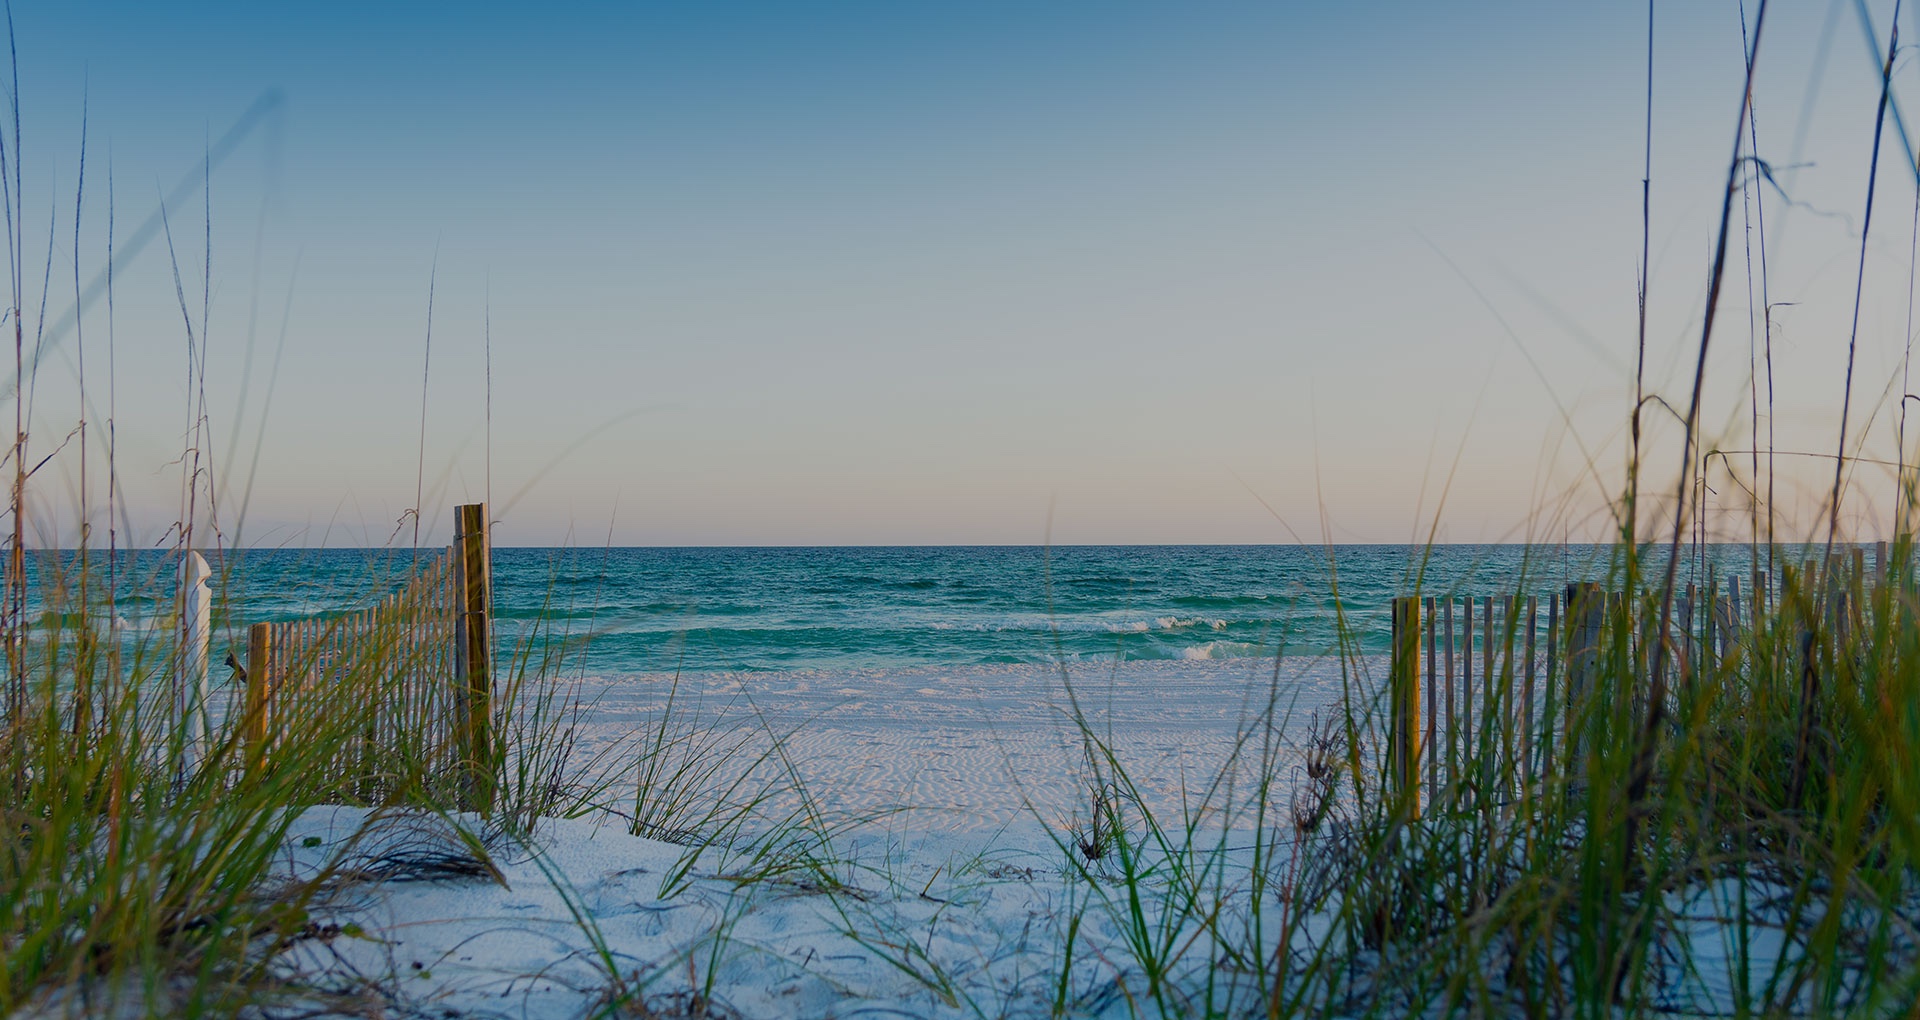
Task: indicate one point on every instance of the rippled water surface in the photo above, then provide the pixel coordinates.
(654, 610)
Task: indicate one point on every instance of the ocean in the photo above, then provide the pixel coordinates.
(644, 611)
(952, 681)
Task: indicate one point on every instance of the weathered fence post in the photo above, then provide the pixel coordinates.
(1449, 748)
(473, 632)
(190, 685)
(1689, 655)
(1503, 714)
(1586, 609)
(259, 690)
(1466, 681)
(1404, 690)
(1710, 628)
(1726, 617)
(1548, 714)
(1429, 618)
(1526, 697)
(1489, 702)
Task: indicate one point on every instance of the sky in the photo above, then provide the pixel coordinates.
(739, 273)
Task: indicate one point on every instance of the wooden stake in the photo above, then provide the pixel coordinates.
(1426, 744)
(1526, 695)
(1405, 692)
(259, 691)
(473, 634)
(1547, 715)
(1466, 680)
(1446, 619)
(1689, 654)
(1489, 700)
(1586, 606)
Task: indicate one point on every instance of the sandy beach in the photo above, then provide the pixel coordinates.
(947, 889)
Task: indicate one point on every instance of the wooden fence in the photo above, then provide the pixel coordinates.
(1482, 691)
(412, 673)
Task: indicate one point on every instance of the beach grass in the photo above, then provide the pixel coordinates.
(145, 870)
(1736, 841)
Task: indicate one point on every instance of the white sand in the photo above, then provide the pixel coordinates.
(964, 886)
(960, 905)
(974, 749)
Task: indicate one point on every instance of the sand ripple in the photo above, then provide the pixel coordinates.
(976, 749)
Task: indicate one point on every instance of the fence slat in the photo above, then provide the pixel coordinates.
(1547, 714)
(1526, 696)
(1426, 744)
(1446, 617)
(475, 644)
(1404, 749)
(259, 689)
(1489, 700)
(1466, 680)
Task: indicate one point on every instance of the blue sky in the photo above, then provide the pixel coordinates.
(779, 273)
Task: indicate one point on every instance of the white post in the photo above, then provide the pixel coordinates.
(190, 691)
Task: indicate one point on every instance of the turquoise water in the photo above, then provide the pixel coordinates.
(732, 609)
(653, 610)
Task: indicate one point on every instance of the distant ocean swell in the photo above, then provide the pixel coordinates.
(655, 610)
(652, 648)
